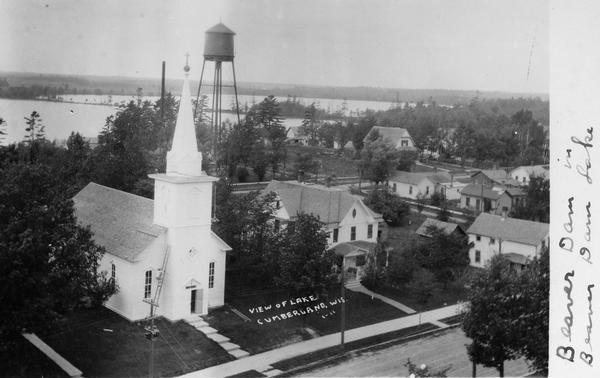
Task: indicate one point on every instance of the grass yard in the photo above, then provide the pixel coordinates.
(398, 236)
(25, 360)
(440, 298)
(125, 352)
(251, 336)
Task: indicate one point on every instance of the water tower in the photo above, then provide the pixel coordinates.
(218, 48)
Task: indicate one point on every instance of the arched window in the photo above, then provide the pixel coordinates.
(211, 275)
(148, 284)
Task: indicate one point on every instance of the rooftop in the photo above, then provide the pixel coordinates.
(330, 205)
(447, 227)
(509, 229)
(395, 134)
(478, 190)
(121, 222)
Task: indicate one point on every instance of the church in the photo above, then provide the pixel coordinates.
(161, 253)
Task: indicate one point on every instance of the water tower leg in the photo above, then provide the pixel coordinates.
(199, 86)
(237, 105)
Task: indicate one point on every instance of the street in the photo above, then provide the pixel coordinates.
(440, 351)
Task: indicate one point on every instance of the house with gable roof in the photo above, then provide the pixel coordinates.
(398, 136)
(517, 240)
(161, 253)
(492, 177)
(523, 174)
(448, 228)
(352, 227)
(492, 199)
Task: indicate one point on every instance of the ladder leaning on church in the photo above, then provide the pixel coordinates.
(152, 331)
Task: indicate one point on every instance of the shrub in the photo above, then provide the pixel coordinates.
(242, 174)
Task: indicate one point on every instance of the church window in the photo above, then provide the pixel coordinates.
(148, 284)
(353, 233)
(211, 275)
(336, 232)
(113, 272)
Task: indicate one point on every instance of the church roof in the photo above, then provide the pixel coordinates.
(121, 222)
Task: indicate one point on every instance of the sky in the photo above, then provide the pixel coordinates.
(429, 44)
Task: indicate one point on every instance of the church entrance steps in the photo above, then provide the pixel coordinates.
(228, 346)
(217, 337)
(239, 353)
(206, 330)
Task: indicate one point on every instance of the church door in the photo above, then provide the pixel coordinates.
(195, 301)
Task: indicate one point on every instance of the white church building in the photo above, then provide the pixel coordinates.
(161, 251)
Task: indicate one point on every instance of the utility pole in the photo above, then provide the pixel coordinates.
(343, 320)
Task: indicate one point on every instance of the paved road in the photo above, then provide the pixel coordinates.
(261, 360)
(446, 349)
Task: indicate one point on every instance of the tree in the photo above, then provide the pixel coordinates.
(393, 209)
(35, 134)
(2, 129)
(536, 206)
(495, 301)
(268, 117)
(532, 321)
(310, 125)
(128, 148)
(406, 160)
(445, 255)
(422, 285)
(378, 160)
(305, 263)
(245, 223)
(48, 263)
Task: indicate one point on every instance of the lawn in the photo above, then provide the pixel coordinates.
(25, 360)
(360, 310)
(331, 163)
(101, 343)
(398, 236)
(440, 298)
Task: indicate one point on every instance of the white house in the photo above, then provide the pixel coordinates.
(161, 251)
(516, 239)
(347, 219)
(398, 136)
(412, 184)
(523, 174)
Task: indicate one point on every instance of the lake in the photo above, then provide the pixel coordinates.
(88, 115)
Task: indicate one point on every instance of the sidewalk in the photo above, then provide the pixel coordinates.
(361, 289)
(261, 361)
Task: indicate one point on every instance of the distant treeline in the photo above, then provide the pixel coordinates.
(131, 86)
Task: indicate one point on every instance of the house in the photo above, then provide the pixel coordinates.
(516, 239)
(494, 199)
(413, 184)
(523, 174)
(161, 252)
(448, 228)
(491, 177)
(398, 136)
(347, 219)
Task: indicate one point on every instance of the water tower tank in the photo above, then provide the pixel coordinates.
(218, 44)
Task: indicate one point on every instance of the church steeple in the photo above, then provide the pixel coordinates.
(184, 158)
